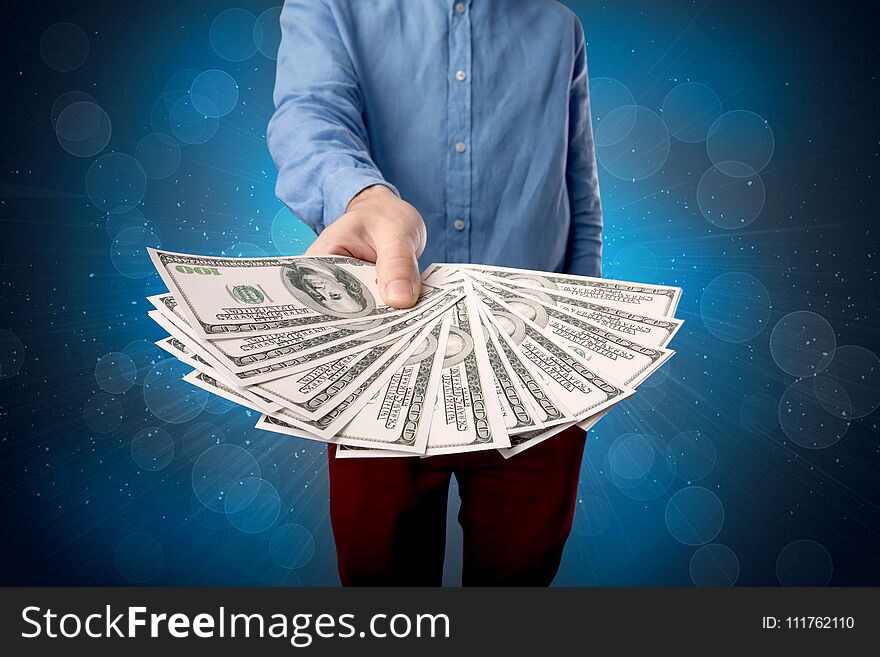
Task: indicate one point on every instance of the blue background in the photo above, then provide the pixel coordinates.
(710, 475)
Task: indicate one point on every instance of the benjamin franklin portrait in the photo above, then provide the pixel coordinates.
(327, 289)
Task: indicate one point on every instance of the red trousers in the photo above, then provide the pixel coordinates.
(389, 515)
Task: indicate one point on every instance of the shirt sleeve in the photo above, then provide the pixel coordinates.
(584, 252)
(317, 136)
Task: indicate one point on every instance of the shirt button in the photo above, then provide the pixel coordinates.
(460, 75)
(459, 7)
(460, 147)
(458, 224)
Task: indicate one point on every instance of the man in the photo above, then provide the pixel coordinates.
(450, 131)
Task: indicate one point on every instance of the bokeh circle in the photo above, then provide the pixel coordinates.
(292, 546)
(607, 95)
(638, 154)
(244, 250)
(290, 236)
(714, 565)
(11, 354)
(731, 202)
(805, 419)
(206, 517)
(276, 576)
(83, 129)
(152, 449)
(201, 436)
(220, 469)
(113, 223)
(177, 87)
(694, 454)
(833, 397)
(128, 251)
(189, 125)
(115, 372)
(64, 101)
(735, 307)
(232, 35)
(267, 32)
(144, 354)
(159, 155)
(259, 513)
(64, 47)
(218, 405)
(116, 183)
(740, 136)
(858, 370)
(689, 110)
(804, 563)
(170, 399)
(656, 480)
(631, 456)
(802, 343)
(633, 263)
(694, 515)
(214, 93)
(102, 413)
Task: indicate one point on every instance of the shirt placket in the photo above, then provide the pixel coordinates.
(459, 146)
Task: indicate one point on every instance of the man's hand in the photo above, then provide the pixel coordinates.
(379, 227)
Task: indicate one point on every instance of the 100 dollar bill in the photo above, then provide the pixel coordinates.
(652, 300)
(223, 297)
(467, 416)
(574, 384)
(258, 359)
(649, 331)
(618, 359)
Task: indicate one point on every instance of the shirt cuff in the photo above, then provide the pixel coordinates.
(343, 185)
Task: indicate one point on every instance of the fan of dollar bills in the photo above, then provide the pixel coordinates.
(489, 357)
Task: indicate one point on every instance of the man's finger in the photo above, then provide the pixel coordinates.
(397, 271)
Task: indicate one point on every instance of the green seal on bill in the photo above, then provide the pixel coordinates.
(247, 294)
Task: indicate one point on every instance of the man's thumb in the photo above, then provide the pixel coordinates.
(397, 271)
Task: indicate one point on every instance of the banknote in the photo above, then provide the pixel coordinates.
(258, 359)
(398, 416)
(526, 406)
(490, 357)
(573, 383)
(467, 416)
(309, 393)
(177, 349)
(525, 441)
(211, 384)
(223, 297)
(649, 331)
(263, 357)
(314, 392)
(515, 411)
(618, 359)
(649, 300)
(325, 428)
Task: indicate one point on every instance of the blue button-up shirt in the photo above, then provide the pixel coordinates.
(474, 111)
